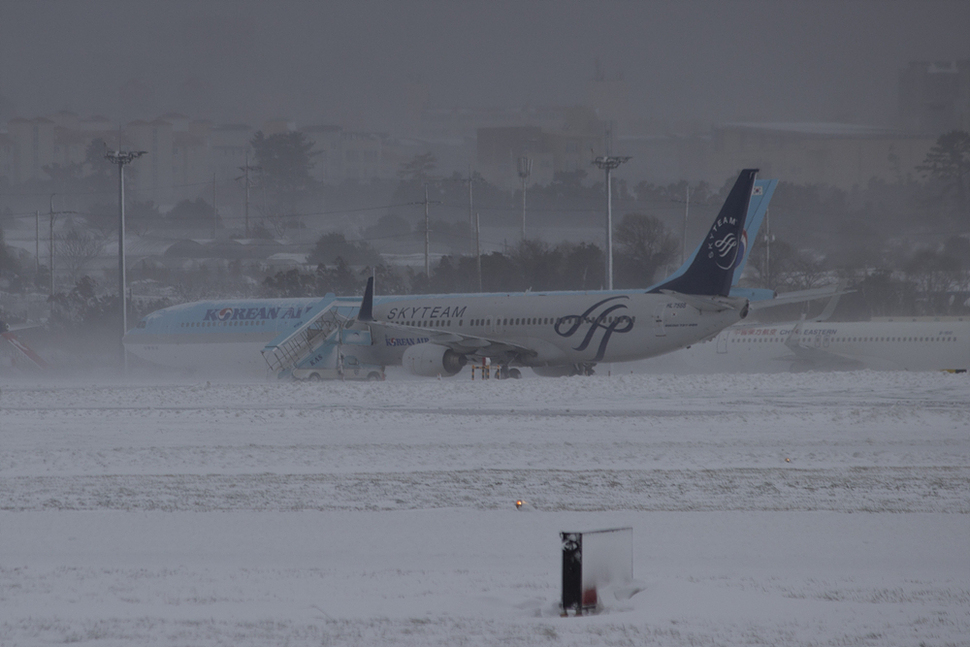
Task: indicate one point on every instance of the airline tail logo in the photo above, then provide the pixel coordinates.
(724, 250)
(741, 250)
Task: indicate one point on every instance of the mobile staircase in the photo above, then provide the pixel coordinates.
(290, 348)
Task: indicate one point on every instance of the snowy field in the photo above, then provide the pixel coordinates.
(803, 509)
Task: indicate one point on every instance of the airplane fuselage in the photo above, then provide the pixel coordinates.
(560, 328)
(914, 345)
(223, 336)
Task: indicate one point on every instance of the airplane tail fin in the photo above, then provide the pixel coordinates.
(712, 270)
(757, 208)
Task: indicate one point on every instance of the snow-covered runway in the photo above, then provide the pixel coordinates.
(799, 509)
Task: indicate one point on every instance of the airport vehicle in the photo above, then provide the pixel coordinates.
(555, 333)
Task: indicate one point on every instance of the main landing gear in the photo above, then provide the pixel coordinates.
(505, 373)
(584, 369)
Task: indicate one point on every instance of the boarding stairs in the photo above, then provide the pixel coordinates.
(285, 352)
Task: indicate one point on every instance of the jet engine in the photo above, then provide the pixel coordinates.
(431, 360)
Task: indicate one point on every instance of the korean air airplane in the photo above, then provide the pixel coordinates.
(554, 333)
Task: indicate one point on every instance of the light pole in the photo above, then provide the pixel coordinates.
(427, 230)
(122, 159)
(608, 163)
(246, 169)
(53, 214)
(525, 170)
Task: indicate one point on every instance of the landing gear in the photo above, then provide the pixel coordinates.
(584, 369)
(505, 373)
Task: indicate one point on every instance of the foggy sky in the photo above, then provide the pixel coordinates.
(346, 62)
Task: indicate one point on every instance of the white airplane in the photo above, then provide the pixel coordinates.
(555, 333)
(891, 344)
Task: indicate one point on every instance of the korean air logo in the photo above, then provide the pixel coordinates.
(225, 314)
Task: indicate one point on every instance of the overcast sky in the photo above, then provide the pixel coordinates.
(347, 62)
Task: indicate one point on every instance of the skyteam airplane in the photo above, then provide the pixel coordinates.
(555, 333)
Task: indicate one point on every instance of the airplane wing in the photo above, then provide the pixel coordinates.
(25, 350)
(706, 303)
(5, 327)
(458, 342)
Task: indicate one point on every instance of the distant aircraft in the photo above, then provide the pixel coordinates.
(901, 344)
(555, 333)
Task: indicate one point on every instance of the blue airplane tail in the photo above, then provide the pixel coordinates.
(712, 268)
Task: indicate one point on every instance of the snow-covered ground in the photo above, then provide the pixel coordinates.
(804, 509)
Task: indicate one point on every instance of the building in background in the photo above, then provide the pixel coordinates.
(934, 97)
(840, 155)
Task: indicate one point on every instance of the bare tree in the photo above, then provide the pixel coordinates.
(76, 249)
(644, 245)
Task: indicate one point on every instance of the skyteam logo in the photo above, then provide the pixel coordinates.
(723, 247)
(741, 250)
(591, 321)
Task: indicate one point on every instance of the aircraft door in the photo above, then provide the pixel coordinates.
(658, 320)
(722, 342)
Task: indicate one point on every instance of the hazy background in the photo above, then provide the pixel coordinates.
(348, 62)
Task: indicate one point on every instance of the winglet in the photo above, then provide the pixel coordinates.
(366, 312)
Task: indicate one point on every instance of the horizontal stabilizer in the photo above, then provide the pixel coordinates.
(753, 294)
(801, 296)
(703, 303)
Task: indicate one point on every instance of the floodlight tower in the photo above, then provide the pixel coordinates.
(122, 159)
(608, 163)
(525, 170)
